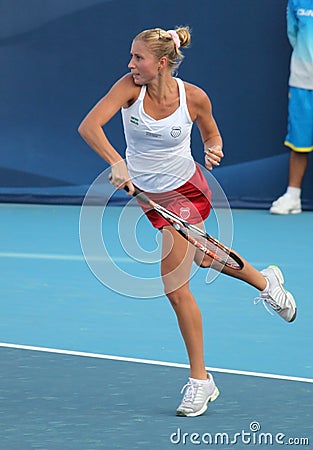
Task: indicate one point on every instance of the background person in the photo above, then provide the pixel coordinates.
(300, 110)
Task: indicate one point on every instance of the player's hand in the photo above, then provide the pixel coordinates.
(119, 177)
(213, 156)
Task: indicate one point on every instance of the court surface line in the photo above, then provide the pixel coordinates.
(152, 362)
(59, 256)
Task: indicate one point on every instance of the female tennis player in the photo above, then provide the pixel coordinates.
(158, 112)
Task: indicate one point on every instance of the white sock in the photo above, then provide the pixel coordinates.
(195, 380)
(267, 286)
(293, 192)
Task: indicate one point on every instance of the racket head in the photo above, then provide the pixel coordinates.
(202, 240)
(196, 236)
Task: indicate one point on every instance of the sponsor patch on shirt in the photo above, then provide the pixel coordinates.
(175, 132)
(154, 135)
(184, 213)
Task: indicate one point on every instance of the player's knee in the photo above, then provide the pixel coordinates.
(179, 297)
(175, 298)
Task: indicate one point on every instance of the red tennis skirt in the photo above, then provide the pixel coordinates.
(191, 201)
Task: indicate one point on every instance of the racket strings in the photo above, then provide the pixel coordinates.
(204, 243)
(209, 246)
(200, 239)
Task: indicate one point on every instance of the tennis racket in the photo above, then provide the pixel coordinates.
(197, 237)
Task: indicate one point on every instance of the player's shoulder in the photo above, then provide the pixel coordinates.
(126, 88)
(127, 82)
(195, 94)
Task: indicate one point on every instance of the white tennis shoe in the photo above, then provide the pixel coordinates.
(198, 393)
(280, 300)
(286, 205)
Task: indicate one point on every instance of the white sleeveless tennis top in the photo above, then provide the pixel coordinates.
(158, 152)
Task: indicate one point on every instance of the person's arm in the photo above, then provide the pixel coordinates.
(292, 24)
(200, 109)
(91, 129)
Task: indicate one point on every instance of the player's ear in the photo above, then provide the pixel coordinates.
(163, 62)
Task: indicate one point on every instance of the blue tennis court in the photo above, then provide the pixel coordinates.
(87, 366)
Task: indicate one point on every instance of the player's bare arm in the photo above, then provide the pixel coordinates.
(200, 109)
(122, 94)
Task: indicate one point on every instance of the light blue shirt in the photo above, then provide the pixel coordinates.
(300, 35)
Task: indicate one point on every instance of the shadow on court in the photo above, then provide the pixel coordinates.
(63, 402)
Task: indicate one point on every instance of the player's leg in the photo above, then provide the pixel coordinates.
(248, 273)
(269, 282)
(177, 258)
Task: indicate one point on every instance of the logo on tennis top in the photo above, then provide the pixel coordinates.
(134, 120)
(175, 132)
(184, 213)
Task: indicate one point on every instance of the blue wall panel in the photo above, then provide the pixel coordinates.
(59, 57)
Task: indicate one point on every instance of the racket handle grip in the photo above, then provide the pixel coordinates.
(137, 193)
